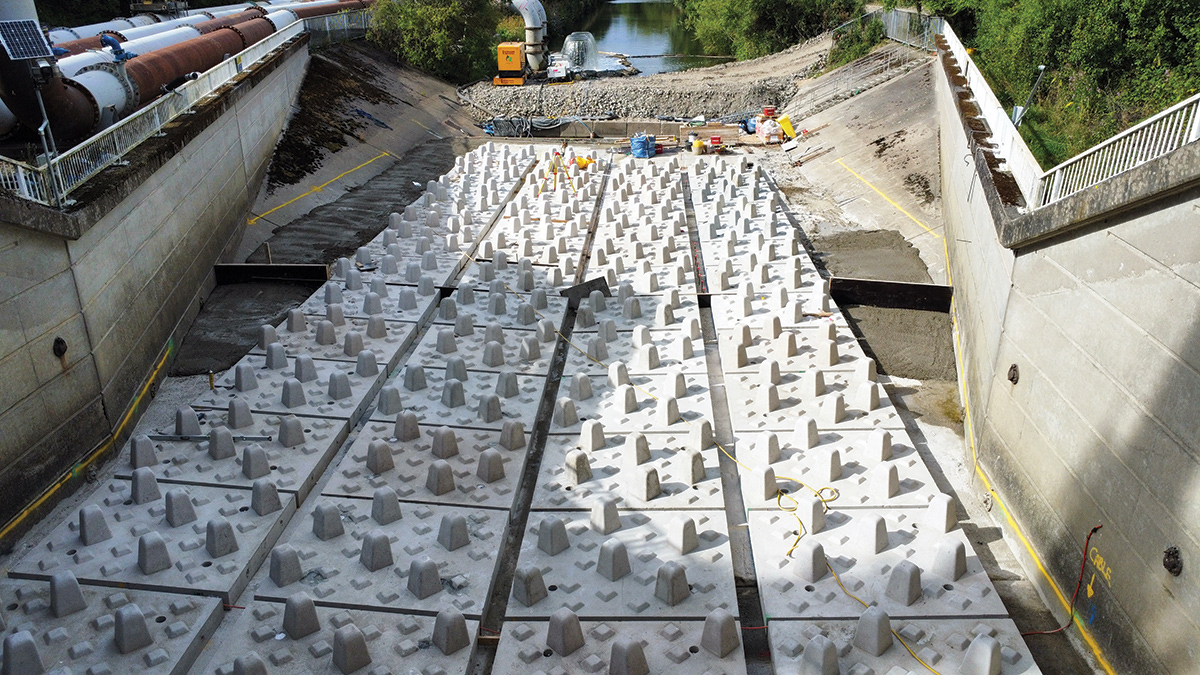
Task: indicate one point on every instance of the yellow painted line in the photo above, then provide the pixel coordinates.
(12, 524)
(1012, 523)
(887, 198)
(318, 188)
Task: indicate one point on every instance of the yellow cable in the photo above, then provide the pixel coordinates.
(901, 640)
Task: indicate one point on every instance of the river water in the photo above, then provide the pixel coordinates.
(652, 33)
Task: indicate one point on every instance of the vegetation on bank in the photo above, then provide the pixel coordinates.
(1109, 63)
(854, 41)
(748, 29)
(452, 39)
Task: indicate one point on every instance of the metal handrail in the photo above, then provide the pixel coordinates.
(1163, 133)
(73, 168)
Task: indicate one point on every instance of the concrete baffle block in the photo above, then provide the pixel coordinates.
(440, 478)
(379, 457)
(300, 616)
(671, 585)
(579, 467)
(591, 436)
(220, 443)
(385, 506)
(764, 480)
(941, 516)
(414, 377)
(141, 452)
(681, 534)
(456, 368)
(66, 597)
(153, 555)
(605, 517)
(424, 579)
(264, 497)
(873, 634)
(700, 435)
(820, 657)
(450, 631)
(552, 536)
(804, 435)
(720, 634)
(144, 488)
(179, 507)
(512, 435)
(244, 378)
(885, 481)
(93, 527)
(255, 463)
(904, 583)
(950, 559)
(276, 356)
(613, 560)
(564, 634)
(407, 427)
(983, 657)
(291, 432)
(186, 422)
(645, 484)
(327, 522)
(493, 354)
(581, 387)
(878, 445)
(350, 649)
(339, 386)
(376, 551)
(636, 450)
(507, 385)
(452, 532)
(809, 559)
(491, 466)
(453, 395)
(445, 443)
(285, 568)
(306, 368)
(219, 538)
(130, 629)
(627, 657)
(529, 588)
(832, 410)
(565, 414)
(490, 409)
(618, 374)
(21, 655)
(238, 415)
(871, 536)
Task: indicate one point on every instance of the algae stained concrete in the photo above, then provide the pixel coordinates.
(357, 115)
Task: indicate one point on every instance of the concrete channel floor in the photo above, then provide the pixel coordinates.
(785, 638)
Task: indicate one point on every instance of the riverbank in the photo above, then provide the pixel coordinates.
(713, 92)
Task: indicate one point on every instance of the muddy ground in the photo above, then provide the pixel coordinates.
(337, 229)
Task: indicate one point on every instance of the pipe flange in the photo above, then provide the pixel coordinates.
(127, 83)
(68, 82)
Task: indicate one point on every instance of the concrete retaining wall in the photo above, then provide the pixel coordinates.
(122, 292)
(1100, 427)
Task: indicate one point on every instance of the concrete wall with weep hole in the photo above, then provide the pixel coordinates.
(124, 288)
(1103, 323)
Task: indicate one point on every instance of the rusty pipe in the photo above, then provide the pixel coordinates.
(229, 20)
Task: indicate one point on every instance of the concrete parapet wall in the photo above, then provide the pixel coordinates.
(1099, 318)
(121, 278)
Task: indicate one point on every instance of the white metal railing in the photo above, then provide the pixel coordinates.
(76, 166)
(1010, 147)
(1167, 131)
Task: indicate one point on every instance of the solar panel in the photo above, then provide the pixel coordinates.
(23, 40)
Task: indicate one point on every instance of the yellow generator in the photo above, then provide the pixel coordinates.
(510, 61)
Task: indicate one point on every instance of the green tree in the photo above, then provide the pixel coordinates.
(751, 28)
(452, 39)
